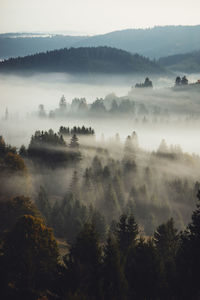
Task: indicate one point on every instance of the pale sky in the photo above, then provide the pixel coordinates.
(92, 16)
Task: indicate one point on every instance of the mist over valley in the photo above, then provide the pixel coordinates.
(99, 150)
(176, 122)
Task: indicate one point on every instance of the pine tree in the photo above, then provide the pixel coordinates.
(114, 281)
(166, 240)
(99, 224)
(143, 272)
(127, 232)
(111, 205)
(42, 112)
(128, 148)
(43, 204)
(62, 103)
(74, 144)
(23, 151)
(97, 166)
(178, 81)
(135, 142)
(74, 187)
(84, 263)
(163, 147)
(118, 186)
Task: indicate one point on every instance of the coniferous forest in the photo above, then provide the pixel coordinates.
(83, 60)
(83, 219)
(99, 150)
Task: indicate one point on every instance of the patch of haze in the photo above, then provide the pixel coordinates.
(27, 92)
(176, 102)
(22, 94)
(150, 135)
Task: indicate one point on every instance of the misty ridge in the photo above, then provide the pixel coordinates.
(154, 42)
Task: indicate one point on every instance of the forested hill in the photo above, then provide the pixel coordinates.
(151, 42)
(189, 62)
(83, 60)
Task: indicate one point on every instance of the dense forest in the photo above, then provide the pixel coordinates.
(117, 208)
(83, 60)
(152, 42)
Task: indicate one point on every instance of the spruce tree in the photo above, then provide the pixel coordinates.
(114, 281)
(84, 263)
(127, 233)
(74, 144)
(166, 240)
(43, 204)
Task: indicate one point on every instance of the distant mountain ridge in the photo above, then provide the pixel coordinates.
(153, 42)
(83, 60)
(12, 45)
(189, 62)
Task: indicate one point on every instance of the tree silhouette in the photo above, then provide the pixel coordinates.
(74, 144)
(114, 281)
(84, 263)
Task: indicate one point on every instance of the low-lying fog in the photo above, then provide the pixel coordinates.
(21, 96)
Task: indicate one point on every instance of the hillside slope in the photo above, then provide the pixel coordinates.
(83, 60)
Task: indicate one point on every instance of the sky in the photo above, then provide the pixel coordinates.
(94, 16)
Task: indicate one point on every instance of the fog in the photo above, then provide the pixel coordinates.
(21, 96)
(143, 158)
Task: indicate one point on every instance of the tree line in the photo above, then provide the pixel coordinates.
(111, 106)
